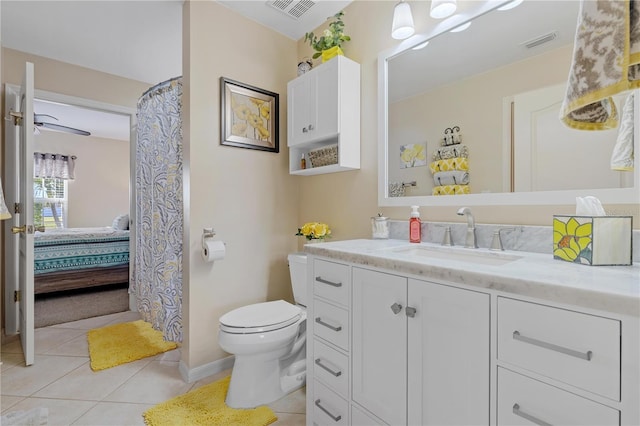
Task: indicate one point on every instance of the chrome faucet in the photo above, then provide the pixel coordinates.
(470, 241)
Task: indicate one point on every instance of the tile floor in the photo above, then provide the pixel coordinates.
(62, 380)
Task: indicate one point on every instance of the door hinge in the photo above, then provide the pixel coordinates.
(16, 208)
(17, 118)
(17, 295)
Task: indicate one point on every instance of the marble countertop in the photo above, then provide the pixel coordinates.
(613, 289)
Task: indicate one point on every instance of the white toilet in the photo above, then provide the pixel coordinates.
(269, 343)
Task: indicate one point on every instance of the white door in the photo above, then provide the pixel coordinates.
(448, 354)
(25, 200)
(545, 149)
(379, 344)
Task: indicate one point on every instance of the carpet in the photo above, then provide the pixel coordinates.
(205, 406)
(121, 343)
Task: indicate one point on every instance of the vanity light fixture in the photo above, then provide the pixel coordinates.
(421, 45)
(510, 5)
(461, 28)
(402, 21)
(441, 9)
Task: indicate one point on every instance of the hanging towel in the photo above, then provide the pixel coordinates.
(452, 177)
(622, 156)
(606, 61)
(452, 151)
(450, 190)
(449, 164)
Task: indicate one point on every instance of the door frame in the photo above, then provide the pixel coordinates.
(100, 106)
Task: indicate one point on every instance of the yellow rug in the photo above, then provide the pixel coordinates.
(121, 343)
(205, 406)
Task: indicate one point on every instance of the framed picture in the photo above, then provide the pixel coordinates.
(249, 116)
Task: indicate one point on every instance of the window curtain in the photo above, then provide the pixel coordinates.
(47, 165)
(157, 266)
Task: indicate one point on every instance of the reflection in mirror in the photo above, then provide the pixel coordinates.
(501, 82)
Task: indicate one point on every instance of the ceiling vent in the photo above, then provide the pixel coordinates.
(540, 40)
(292, 8)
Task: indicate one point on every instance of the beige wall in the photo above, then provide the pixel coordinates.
(346, 200)
(100, 191)
(246, 195)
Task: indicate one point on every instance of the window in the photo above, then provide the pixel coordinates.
(50, 202)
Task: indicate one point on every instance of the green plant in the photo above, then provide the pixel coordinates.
(332, 36)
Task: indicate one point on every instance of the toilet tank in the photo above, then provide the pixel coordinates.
(298, 272)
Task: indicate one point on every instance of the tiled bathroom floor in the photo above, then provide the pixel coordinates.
(62, 381)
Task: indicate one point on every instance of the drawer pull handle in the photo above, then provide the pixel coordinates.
(321, 365)
(319, 321)
(582, 355)
(327, 412)
(331, 283)
(532, 419)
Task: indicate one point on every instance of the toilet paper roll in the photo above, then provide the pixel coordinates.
(213, 250)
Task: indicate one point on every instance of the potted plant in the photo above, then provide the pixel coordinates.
(329, 43)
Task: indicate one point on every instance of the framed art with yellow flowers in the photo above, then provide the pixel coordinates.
(249, 116)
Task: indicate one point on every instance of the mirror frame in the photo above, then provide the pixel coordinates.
(564, 197)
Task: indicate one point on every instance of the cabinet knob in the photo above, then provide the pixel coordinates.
(304, 130)
(411, 312)
(310, 126)
(396, 308)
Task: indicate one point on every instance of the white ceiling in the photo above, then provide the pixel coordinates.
(139, 40)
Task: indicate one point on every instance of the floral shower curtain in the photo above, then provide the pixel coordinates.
(157, 275)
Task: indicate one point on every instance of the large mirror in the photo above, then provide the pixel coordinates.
(497, 87)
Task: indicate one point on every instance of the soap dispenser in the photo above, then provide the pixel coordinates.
(415, 226)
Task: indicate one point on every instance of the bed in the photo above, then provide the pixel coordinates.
(79, 258)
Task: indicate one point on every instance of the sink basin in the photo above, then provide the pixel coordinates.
(457, 254)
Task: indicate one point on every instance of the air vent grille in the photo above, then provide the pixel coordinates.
(540, 40)
(292, 8)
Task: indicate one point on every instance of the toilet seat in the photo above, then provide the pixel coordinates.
(260, 317)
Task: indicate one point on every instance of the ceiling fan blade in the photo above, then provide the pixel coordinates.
(39, 120)
(61, 128)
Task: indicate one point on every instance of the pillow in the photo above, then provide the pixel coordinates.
(121, 222)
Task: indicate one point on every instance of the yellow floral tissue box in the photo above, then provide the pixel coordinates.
(593, 240)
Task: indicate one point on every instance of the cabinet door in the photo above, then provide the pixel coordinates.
(298, 109)
(327, 101)
(448, 354)
(379, 345)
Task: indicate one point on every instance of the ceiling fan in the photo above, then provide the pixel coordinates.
(44, 121)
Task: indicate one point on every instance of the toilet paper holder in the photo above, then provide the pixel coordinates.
(207, 233)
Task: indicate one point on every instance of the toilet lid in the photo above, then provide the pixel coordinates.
(260, 317)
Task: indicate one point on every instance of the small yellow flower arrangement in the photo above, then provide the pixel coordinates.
(331, 37)
(314, 231)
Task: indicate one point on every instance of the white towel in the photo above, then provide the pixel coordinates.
(606, 61)
(622, 156)
(452, 177)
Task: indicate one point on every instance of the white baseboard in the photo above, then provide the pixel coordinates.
(202, 371)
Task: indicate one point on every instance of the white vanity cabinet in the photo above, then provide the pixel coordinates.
(391, 345)
(323, 109)
(420, 350)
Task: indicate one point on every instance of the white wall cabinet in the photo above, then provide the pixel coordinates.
(323, 109)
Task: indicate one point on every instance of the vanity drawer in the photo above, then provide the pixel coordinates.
(525, 401)
(331, 367)
(332, 281)
(328, 407)
(575, 348)
(331, 323)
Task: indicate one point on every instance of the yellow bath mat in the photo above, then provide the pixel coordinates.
(121, 343)
(205, 406)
